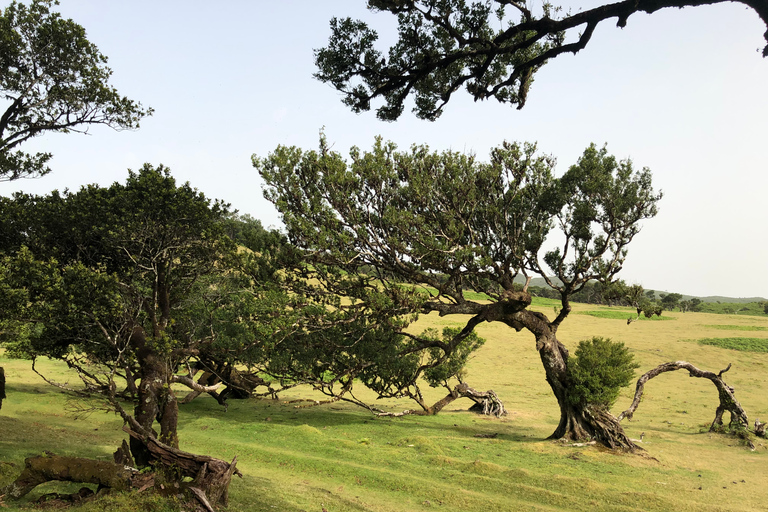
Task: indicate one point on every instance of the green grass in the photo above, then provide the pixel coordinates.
(738, 327)
(742, 344)
(344, 459)
(621, 315)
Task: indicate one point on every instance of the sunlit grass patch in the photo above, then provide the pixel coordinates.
(620, 315)
(737, 327)
(742, 344)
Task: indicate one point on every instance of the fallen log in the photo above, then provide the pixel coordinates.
(49, 467)
(209, 487)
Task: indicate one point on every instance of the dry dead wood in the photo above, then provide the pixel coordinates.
(725, 392)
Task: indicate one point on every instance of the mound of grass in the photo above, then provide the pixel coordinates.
(742, 344)
(620, 315)
(737, 327)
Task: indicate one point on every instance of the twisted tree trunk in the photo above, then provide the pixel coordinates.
(578, 422)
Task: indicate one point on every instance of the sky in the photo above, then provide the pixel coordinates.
(682, 92)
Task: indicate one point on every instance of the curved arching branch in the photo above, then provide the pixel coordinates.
(728, 401)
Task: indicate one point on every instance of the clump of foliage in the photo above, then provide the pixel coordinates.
(599, 369)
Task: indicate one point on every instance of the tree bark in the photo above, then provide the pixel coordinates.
(2, 386)
(577, 422)
(156, 399)
(44, 468)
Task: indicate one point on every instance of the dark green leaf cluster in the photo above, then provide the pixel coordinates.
(445, 220)
(444, 367)
(604, 201)
(54, 80)
(87, 268)
(454, 223)
(597, 372)
(442, 45)
(492, 49)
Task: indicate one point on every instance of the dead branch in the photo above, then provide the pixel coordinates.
(728, 401)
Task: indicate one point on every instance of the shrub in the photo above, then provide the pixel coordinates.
(598, 370)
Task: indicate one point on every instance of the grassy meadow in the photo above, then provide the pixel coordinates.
(341, 458)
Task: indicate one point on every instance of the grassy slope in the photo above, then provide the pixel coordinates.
(342, 458)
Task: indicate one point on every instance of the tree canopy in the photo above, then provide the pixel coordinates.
(492, 49)
(52, 79)
(407, 232)
(123, 283)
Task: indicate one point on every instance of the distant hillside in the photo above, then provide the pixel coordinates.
(539, 281)
(733, 300)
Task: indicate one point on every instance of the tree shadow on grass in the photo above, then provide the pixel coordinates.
(277, 414)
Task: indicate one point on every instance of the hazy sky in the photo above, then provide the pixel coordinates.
(682, 92)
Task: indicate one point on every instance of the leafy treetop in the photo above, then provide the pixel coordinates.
(52, 79)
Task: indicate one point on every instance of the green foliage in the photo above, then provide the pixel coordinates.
(492, 49)
(445, 219)
(650, 308)
(741, 344)
(446, 366)
(55, 81)
(733, 308)
(424, 40)
(671, 300)
(598, 370)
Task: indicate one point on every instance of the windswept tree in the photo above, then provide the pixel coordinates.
(447, 225)
(52, 79)
(492, 49)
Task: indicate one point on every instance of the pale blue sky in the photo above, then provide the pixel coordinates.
(680, 91)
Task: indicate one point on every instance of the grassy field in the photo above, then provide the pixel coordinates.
(343, 459)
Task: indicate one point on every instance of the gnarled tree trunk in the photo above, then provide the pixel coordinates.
(577, 422)
(156, 399)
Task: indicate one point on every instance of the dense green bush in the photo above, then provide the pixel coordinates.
(598, 370)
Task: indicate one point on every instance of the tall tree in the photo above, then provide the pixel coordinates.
(449, 224)
(492, 49)
(52, 79)
(117, 282)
